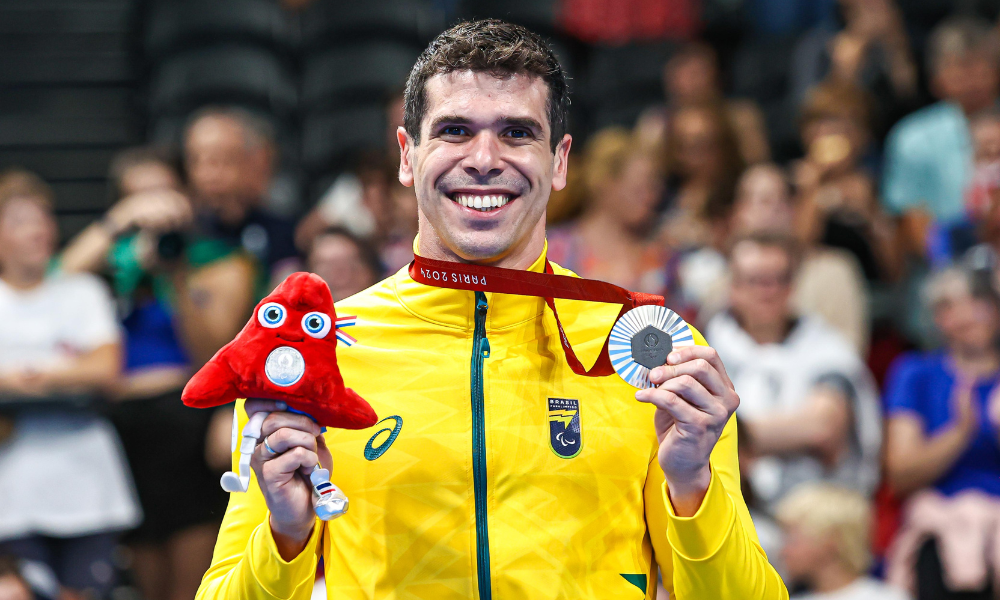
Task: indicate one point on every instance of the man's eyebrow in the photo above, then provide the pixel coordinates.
(526, 122)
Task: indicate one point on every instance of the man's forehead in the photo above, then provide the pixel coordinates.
(479, 94)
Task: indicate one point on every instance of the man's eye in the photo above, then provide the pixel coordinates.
(453, 131)
(518, 134)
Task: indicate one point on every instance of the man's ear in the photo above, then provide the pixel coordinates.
(560, 162)
(406, 145)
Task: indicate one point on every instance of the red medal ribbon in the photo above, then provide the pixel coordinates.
(548, 285)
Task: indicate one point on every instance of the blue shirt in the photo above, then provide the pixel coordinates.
(922, 384)
(928, 162)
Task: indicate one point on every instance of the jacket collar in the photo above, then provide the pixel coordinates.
(586, 324)
(456, 308)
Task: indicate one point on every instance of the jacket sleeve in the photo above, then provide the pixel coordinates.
(715, 553)
(246, 564)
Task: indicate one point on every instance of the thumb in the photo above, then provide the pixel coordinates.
(323, 451)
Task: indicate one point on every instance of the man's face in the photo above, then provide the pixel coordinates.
(762, 283)
(227, 173)
(483, 169)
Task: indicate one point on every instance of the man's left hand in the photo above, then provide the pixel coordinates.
(694, 399)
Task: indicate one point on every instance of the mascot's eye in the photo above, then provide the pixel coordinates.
(271, 315)
(316, 324)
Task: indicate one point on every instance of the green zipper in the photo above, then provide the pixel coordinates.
(480, 350)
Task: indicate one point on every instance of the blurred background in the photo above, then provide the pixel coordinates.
(814, 183)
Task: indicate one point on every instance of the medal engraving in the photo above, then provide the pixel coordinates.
(650, 347)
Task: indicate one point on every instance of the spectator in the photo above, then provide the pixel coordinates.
(827, 540)
(611, 240)
(64, 489)
(871, 50)
(703, 164)
(179, 492)
(370, 202)
(345, 262)
(829, 283)
(943, 444)
(929, 154)
(808, 403)
(837, 197)
(229, 157)
(690, 78)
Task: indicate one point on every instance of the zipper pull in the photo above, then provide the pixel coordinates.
(484, 347)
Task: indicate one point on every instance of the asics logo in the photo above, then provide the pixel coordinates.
(371, 451)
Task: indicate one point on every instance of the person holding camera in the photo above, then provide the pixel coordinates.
(183, 294)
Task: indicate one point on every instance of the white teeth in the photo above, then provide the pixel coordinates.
(482, 203)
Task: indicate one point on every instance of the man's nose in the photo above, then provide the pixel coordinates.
(483, 157)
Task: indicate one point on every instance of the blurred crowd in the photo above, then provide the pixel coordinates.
(838, 244)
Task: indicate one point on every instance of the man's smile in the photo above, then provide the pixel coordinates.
(482, 201)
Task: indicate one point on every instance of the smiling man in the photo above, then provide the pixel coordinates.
(496, 471)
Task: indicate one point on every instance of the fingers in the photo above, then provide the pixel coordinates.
(252, 406)
(681, 410)
(277, 421)
(706, 353)
(698, 368)
(284, 439)
(284, 465)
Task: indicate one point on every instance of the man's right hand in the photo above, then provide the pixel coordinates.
(283, 476)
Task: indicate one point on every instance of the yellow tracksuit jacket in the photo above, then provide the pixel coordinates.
(496, 472)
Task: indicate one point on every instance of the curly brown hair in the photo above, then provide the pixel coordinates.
(491, 46)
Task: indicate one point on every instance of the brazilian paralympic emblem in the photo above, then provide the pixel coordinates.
(371, 451)
(565, 436)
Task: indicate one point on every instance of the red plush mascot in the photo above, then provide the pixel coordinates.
(286, 352)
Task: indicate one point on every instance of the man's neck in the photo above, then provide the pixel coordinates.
(766, 332)
(22, 277)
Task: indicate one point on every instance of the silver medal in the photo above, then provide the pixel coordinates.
(641, 340)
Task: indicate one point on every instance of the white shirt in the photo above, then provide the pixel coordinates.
(776, 378)
(61, 474)
(865, 588)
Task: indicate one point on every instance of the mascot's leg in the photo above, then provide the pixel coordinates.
(328, 500)
(232, 482)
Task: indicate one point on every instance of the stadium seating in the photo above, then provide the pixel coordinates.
(176, 26)
(67, 98)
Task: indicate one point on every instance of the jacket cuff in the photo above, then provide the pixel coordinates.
(700, 536)
(280, 578)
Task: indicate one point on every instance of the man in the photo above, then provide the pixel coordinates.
(464, 490)
(809, 405)
(229, 156)
(929, 154)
